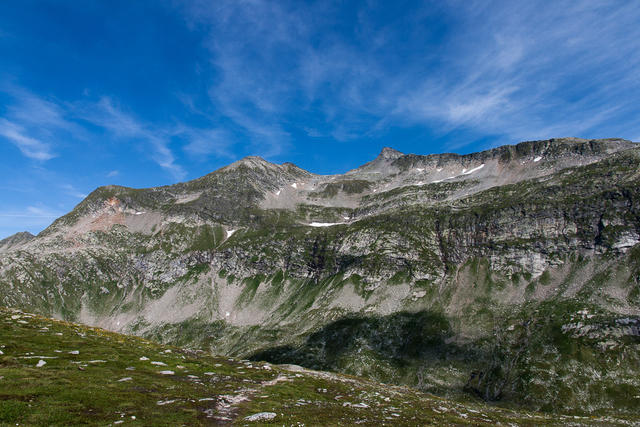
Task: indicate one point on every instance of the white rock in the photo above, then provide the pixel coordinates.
(121, 380)
(167, 372)
(261, 416)
(419, 294)
(144, 358)
(74, 352)
(159, 363)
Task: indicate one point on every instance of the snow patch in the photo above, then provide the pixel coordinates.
(537, 159)
(439, 170)
(325, 224)
(278, 192)
(470, 171)
(294, 185)
(41, 363)
(230, 232)
(167, 372)
(419, 169)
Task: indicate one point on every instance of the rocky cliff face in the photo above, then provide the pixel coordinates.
(445, 271)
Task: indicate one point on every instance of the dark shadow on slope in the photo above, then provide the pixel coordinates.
(555, 356)
(393, 348)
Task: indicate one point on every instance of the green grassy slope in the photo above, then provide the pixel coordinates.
(58, 373)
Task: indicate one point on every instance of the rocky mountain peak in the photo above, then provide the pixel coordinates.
(389, 153)
(15, 240)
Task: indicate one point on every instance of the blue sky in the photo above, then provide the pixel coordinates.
(146, 93)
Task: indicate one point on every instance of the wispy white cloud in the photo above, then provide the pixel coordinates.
(40, 128)
(513, 69)
(113, 173)
(529, 72)
(121, 124)
(32, 212)
(29, 146)
(205, 142)
(73, 191)
(31, 218)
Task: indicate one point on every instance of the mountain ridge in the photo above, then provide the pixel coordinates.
(437, 256)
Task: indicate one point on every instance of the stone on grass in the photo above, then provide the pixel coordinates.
(261, 416)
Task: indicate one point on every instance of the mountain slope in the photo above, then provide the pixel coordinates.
(58, 373)
(447, 272)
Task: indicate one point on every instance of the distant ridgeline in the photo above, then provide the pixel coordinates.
(511, 275)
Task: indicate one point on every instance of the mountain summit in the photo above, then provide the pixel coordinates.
(388, 153)
(510, 274)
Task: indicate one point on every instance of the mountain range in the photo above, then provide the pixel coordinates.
(508, 275)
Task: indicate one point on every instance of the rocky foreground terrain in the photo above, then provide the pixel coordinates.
(510, 275)
(59, 373)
